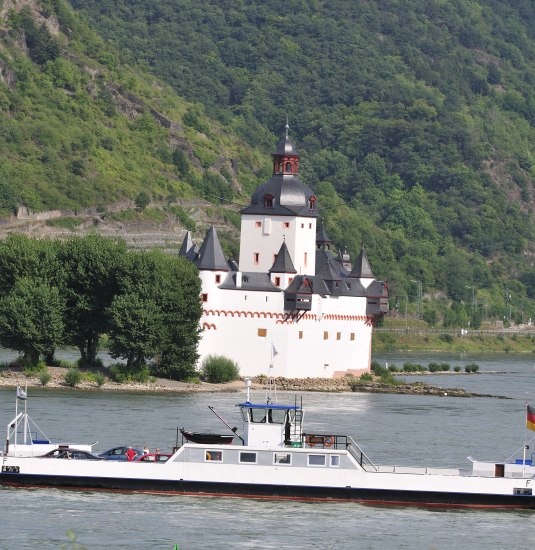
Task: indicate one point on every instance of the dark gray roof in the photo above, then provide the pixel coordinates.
(210, 256)
(290, 197)
(362, 268)
(250, 281)
(233, 265)
(377, 288)
(188, 249)
(285, 147)
(322, 239)
(324, 258)
(329, 272)
(283, 262)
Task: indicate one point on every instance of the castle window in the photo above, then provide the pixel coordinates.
(312, 202)
(306, 258)
(217, 279)
(348, 285)
(256, 257)
(277, 281)
(258, 224)
(262, 332)
(204, 297)
(338, 335)
(300, 335)
(290, 280)
(288, 167)
(286, 224)
(352, 336)
(310, 226)
(302, 226)
(325, 335)
(268, 201)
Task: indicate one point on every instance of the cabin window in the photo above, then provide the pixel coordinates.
(352, 336)
(338, 335)
(204, 297)
(262, 332)
(256, 257)
(282, 458)
(213, 456)
(217, 279)
(335, 461)
(277, 281)
(248, 458)
(258, 224)
(317, 460)
(325, 335)
(300, 335)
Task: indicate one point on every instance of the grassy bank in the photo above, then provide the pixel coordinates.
(417, 340)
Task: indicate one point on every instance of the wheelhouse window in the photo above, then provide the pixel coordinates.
(282, 458)
(317, 460)
(248, 458)
(213, 456)
(268, 201)
(335, 461)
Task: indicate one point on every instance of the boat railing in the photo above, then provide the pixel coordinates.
(346, 442)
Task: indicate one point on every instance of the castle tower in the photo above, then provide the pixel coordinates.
(282, 210)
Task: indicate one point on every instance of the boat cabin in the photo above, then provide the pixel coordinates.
(271, 425)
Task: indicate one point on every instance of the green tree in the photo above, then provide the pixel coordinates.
(91, 265)
(31, 319)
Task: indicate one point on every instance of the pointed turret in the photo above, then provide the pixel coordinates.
(362, 269)
(188, 249)
(283, 262)
(323, 242)
(210, 256)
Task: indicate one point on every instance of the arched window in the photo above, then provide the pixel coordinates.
(288, 167)
(268, 201)
(312, 202)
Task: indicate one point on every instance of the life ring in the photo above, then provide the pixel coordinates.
(309, 440)
(328, 440)
(208, 456)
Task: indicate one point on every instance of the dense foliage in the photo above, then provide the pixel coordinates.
(71, 293)
(419, 115)
(415, 121)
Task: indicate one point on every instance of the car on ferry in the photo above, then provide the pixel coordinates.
(119, 453)
(71, 454)
(158, 458)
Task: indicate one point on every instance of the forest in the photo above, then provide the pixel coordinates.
(414, 121)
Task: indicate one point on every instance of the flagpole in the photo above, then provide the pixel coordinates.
(25, 412)
(16, 413)
(525, 441)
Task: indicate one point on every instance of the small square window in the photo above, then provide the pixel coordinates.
(335, 461)
(316, 460)
(282, 458)
(290, 280)
(286, 224)
(213, 456)
(258, 224)
(262, 332)
(204, 297)
(249, 458)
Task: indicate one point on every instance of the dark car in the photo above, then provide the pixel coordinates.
(71, 454)
(157, 458)
(118, 453)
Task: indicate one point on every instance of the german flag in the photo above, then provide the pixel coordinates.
(530, 421)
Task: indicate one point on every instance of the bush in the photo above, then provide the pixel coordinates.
(448, 338)
(99, 379)
(365, 377)
(45, 377)
(217, 369)
(457, 369)
(73, 377)
(121, 374)
(472, 367)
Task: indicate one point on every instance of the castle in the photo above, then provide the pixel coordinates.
(291, 308)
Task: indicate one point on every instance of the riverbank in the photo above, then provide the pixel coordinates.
(12, 376)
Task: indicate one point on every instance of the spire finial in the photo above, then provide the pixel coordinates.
(287, 125)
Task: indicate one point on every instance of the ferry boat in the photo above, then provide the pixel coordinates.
(279, 460)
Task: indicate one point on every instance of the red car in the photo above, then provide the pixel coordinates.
(157, 458)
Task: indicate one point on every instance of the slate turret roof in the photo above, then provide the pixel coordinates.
(283, 262)
(188, 249)
(210, 256)
(362, 269)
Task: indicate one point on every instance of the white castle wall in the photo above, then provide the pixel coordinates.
(330, 340)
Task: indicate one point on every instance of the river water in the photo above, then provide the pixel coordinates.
(392, 429)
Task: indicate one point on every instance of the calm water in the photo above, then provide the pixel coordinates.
(401, 429)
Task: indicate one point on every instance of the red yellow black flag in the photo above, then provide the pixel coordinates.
(530, 420)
